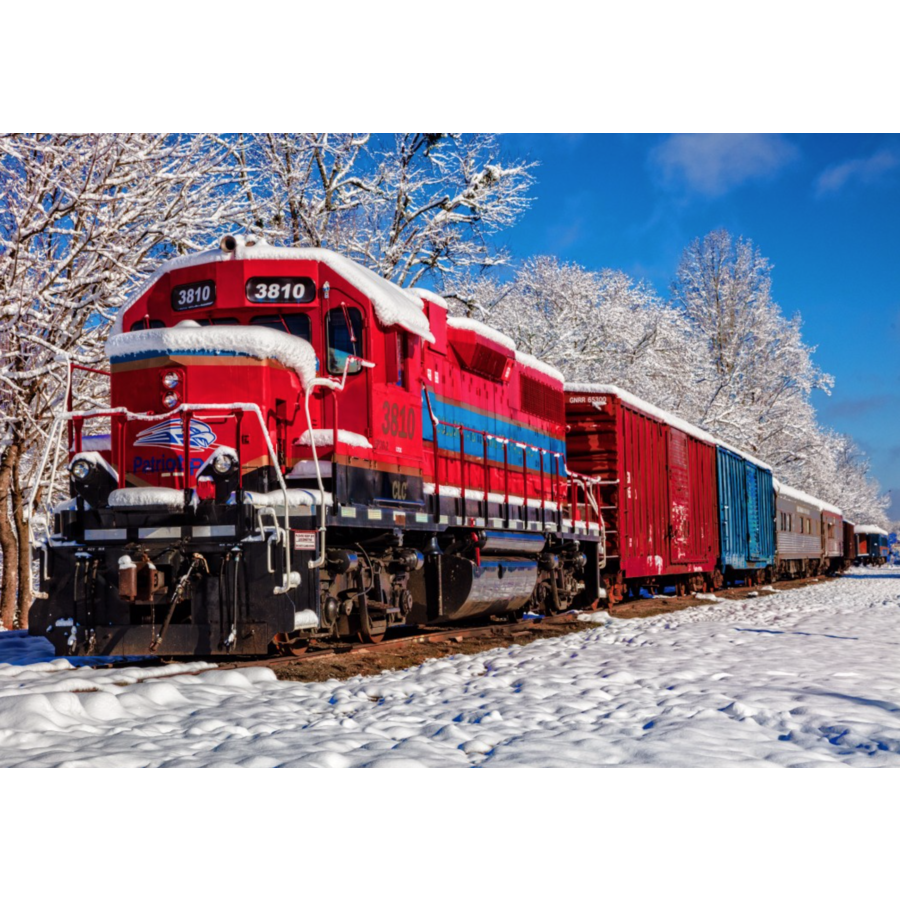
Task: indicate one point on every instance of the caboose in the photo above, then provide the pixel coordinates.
(299, 448)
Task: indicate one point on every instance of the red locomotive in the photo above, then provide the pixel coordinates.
(298, 448)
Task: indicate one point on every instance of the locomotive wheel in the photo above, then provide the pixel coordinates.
(371, 631)
(287, 646)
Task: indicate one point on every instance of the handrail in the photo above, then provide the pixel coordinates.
(70, 388)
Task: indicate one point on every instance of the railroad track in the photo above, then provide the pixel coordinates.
(424, 636)
(436, 635)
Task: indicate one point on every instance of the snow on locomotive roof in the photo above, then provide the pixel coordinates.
(430, 296)
(219, 340)
(667, 417)
(464, 324)
(532, 362)
(802, 497)
(870, 529)
(392, 304)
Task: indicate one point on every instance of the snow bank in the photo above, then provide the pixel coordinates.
(662, 415)
(392, 304)
(532, 362)
(808, 499)
(324, 437)
(218, 340)
(807, 677)
(479, 328)
(170, 498)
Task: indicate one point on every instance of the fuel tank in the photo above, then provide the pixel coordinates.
(451, 588)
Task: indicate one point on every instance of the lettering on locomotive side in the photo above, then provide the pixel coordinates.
(163, 464)
(398, 421)
(399, 490)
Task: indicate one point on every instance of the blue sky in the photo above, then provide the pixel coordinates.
(824, 209)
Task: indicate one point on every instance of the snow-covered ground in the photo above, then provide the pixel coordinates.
(798, 678)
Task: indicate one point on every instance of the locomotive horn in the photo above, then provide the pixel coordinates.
(228, 243)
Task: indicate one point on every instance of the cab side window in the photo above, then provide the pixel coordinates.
(343, 328)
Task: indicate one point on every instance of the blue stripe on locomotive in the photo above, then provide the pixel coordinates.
(448, 436)
(746, 513)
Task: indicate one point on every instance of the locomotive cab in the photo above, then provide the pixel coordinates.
(352, 394)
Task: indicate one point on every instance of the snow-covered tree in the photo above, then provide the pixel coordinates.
(761, 372)
(836, 470)
(595, 326)
(405, 205)
(84, 217)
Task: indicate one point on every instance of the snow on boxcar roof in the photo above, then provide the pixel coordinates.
(392, 304)
(667, 417)
(870, 529)
(802, 497)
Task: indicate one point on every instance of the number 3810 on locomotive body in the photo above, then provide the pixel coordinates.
(297, 448)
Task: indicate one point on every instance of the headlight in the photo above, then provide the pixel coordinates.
(223, 464)
(171, 380)
(171, 400)
(81, 468)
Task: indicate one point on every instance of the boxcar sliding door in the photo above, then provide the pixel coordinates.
(754, 545)
(679, 497)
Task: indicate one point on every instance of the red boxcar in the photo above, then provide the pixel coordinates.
(658, 488)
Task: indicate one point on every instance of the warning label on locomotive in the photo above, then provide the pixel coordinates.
(304, 540)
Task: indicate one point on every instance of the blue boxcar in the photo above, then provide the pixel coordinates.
(746, 515)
